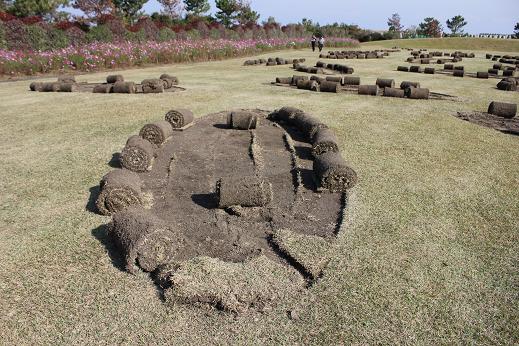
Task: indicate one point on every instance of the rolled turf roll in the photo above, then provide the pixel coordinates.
(120, 189)
(308, 85)
(286, 114)
(242, 120)
(271, 63)
(68, 87)
(318, 79)
(335, 79)
(124, 88)
(502, 109)
(508, 73)
(482, 75)
(307, 124)
(179, 117)
(329, 66)
(282, 80)
(394, 92)
(251, 191)
(248, 63)
(440, 61)
(488, 56)
(408, 84)
(429, 70)
(152, 86)
(497, 66)
(320, 64)
(333, 173)
(324, 141)
(459, 68)
(157, 133)
(137, 155)
(458, 73)
(417, 93)
(493, 71)
(402, 68)
(410, 59)
(166, 76)
(144, 239)
(50, 87)
(507, 86)
(383, 83)
(36, 86)
(103, 89)
(66, 79)
(114, 78)
(351, 80)
(372, 90)
(295, 79)
(416, 69)
(448, 67)
(329, 86)
(425, 61)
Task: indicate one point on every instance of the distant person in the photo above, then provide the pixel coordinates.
(313, 41)
(321, 43)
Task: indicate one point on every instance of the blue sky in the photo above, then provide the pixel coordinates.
(497, 16)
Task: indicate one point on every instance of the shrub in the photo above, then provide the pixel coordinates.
(75, 36)
(138, 36)
(215, 34)
(117, 28)
(37, 37)
(193, 34)
(16, 35)
(3, 41)
(100, 33)
(57, 39)
(166, 34)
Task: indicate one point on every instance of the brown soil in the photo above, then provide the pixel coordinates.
(510, 126)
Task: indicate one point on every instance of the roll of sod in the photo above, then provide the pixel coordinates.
(348, 80)
(308, 85)
(318, 79)
(429, 70)
(394, 92)
(508, 73)
(336, 79)
(494, 58)
(482, 75)
(493, 71)
(416, 69)
(271, 63)
(137, 155)
(168, 78)
(124, 88)
(262, 61)
(179, 117)
(488, 56)
(114, 78)
(287, 114)
(152, 86)
(68, 87)
(320, 64)
(402, 68)
(167, 82)
(307, 124)
(408, 84)
(284, 80)
(410, 59)
(120, 189)
(505, 110)
(425, 61)
(507, 86)
(329, 66)
(280, 61)
(368, 90)
(385, 83)
(66, 79)
(271, 60)
(329, 87)
(313, 70)
(458, 73)
(448, 67)
(296, 79)
(36, 86)
(440, 61)
(361, 56)
(459, 68)
(143, 239)
(324, 141)
(248, 63)
(497, 66)
(50, 87)
(333, 173)
(242, 120)
(417, 93)
(251, 191)
(157, 133)
(103, 89)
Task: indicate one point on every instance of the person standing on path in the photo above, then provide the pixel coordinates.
(313, 41)
(321, 43)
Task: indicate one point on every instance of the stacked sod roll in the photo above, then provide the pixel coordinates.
(120, 189)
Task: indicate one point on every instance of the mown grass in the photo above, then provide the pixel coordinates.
(429, 253)
(455, 43)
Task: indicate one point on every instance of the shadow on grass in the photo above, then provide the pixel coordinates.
(91, 203)
(115, 161)
(101, 234)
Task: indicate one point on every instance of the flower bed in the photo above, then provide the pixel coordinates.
(100, 56)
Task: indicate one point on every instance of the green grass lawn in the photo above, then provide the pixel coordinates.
(429, 254)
